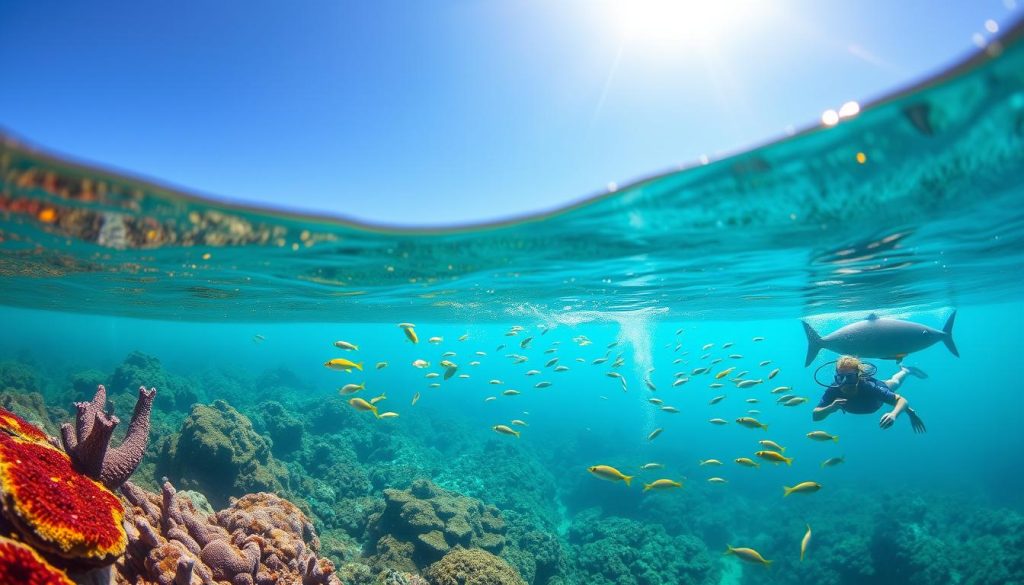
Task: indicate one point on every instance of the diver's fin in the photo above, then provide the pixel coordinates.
(916, 372)
(871, 317)
(813, 343)
(948, 339)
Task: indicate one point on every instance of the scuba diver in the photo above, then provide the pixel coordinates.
(857, 391)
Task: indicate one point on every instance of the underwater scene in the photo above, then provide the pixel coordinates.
(794, 365)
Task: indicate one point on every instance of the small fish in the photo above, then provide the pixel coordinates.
(415, 399)
(448, 373)
(435, 385)
(717, 480)
(525, 343)
(774, 457)
(705, 356)
(727, 345)
(351, 388)
(715, 361)
(743, 373)
(505, 430)
(680, 382)
(650, 385)
(511, 393)
(421, 364)
(346, 346)
(822, 436)
(376, 399)
(388, 415)
(614, 375)
(495, 382)
(532, 372)
(448, 354)
(803, 543)
(520, 423)
(773, 373)
(699, 371)
(768, 444)
(481, 353)
(747, 462)
(662, 484)
(710, 462)
(753, 412)
(435, 340)
(752, 400)
(490, 398)
(717, 399)
(464, 337)
(561, 368)
(410, 332)
(748, 383)
(679, 331)
(474, 363)
(542, 384)
(463, 376)
(609, 473)
(654, 400)
(654, 434)
(724, 373)
(735, 356)
(447, 364)
(431, 375)
(500, 347)
(612, 344)
(511, 333)
(758, 339)
(258, 338)
(381, 365)
(650, 466)
(581, 360)
(784, 398)
(678, 361)
(718, 421)
(781, 389)
(833, 461)
(360, 404)
(707, 346)
(806, 487)
(795, 401)
(670, 409)
(551, 362)
(342, 364)
(551, 350)
(765, 363)
(716, 385)
(751, 423)
(599, 361)
(748, 554)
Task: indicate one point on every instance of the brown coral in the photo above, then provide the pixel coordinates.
(472, 566)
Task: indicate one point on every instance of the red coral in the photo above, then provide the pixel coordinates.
(55, 508)
(20, 564)
(18, 426)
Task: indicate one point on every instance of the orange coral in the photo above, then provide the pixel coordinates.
(20, 564)
(55, 508)
(18, 426)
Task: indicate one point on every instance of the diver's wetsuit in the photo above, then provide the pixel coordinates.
(868, 398)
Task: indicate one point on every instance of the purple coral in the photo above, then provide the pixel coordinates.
(88, 441)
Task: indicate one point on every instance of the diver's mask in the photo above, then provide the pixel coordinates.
(847, 378)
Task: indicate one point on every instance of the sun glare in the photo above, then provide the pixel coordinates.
(681, 22)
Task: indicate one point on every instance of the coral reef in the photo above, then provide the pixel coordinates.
(462, 566)
(139, 368)
(219, 453)
(22, 565)
(432, 521)
(88, 440)
(259, 539)
(285, 430)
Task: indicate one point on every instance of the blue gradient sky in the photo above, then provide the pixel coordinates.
(428, 113)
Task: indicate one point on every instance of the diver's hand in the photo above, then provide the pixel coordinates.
(837, 404)
(887, 420)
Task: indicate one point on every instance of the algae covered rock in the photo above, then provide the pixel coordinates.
(218, 452)
(140, 369)
(472, 566)
(285, 430)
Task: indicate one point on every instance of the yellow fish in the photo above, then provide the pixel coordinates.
(751, 423)
(420, 364)
(505, 430)
(773, 373)
(781, 389)
(435, 340)
(654, 434)
(822, 436)
(716, 480)
(388, 415)
(343, 364)
(511, 392)
(435, 385)
(774, 457)
(747, 462)
(710, 462)
(718, 421)
(748, 554)
(650, 466)
(724, 373)
(346, 346)
(805, 487)
(804, 542)
(431, 375)
(772, 445)
(415, 398)
(610, 473)
(662, 484)
(351, 388)
(376, 399)
(360, 404)
(410, 332)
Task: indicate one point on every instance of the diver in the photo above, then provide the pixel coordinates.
(857, 391)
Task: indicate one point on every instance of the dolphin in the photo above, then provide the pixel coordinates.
(879, 337)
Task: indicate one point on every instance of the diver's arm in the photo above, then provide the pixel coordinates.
(822, 412)
(890, 417)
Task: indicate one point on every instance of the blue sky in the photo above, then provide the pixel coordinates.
(431, 113)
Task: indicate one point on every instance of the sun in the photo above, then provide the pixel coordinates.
(681, 22)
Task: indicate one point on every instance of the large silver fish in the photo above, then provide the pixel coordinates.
(879, 337)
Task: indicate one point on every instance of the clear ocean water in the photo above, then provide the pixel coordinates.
(911, 209)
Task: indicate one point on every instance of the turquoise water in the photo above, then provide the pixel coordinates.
(109, 279)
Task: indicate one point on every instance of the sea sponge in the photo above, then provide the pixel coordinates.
(22, 565)
(55, 508)
(472, 566)
(19, 427)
